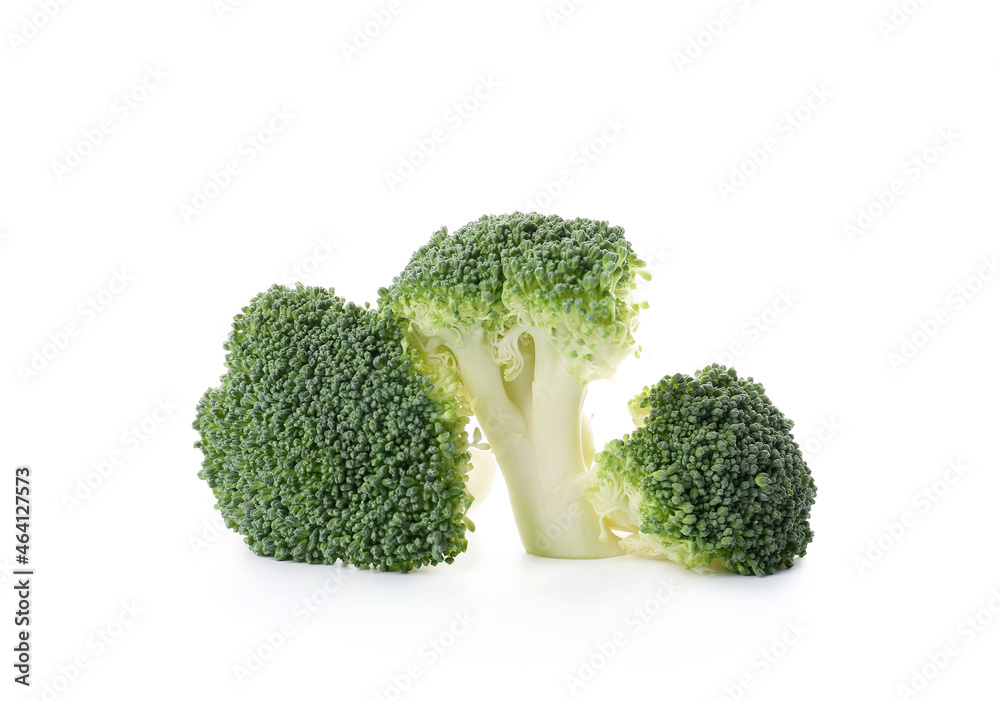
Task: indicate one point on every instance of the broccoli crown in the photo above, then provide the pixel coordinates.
(509, 272)
(711, 472)
(327, 441)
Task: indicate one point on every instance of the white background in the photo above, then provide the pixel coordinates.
(893, 572)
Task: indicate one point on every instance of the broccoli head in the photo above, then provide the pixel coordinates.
(522, 311)
(710, 473)
(329, 438)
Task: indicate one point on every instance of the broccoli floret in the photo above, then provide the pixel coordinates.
(330, 439)
(710, 473)
(522, 311)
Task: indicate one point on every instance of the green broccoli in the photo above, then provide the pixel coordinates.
(710, 473)
(330, 439)
(523, 310)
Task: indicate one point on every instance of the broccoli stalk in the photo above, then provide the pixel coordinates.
(534, 425)
(525, 310)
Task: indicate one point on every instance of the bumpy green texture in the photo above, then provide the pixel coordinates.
(507, 273)
(328, 440)
(711, 472)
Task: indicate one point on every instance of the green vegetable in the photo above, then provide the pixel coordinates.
(338, 432)
(330, 439)
(710, 473)
(523, 311)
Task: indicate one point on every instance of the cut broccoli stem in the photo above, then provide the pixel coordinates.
(539, 444)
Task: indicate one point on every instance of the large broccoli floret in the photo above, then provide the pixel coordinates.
(711, 473)
(525, 310)
(329, 439)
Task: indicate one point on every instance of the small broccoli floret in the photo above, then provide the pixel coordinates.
(330, 439)
(710, 473)
(524, 310)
